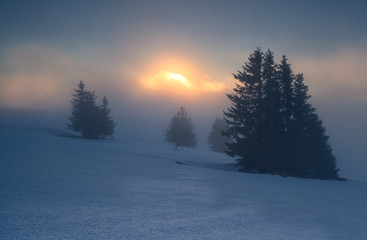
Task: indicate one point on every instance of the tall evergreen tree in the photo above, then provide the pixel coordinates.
(313, 155)
(286, 78)
(86, 117)
(243, 117)
(272, 159)
(181, 130)
(217, 140)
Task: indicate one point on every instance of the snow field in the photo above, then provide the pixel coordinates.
(54, 187)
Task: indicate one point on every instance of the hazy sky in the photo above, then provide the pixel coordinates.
(151, 57)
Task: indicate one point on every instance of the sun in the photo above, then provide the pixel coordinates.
(169, 81)
(178, 78)
(175, 77)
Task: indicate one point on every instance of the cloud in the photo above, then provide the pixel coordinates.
(338, 76)
(177, 84)
(208, 85)
(166, 80)
(37, 76)
(338, 85)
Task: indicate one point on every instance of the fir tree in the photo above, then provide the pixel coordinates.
(181, 130)
(243, 117)
(107, 124)
(83, 111)
(286, 80)
(217, 140)
(313, 155)
(88, 118)
(271, 131)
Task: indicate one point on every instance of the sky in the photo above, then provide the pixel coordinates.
(151, 57)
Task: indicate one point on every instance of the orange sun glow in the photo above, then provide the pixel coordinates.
(182, 79)
(169, 82)
(175, 77)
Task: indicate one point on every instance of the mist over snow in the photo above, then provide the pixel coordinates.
(35, 76)
(55, 187)
(149, 58)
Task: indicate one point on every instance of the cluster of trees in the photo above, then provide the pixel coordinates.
(270, 127)
(273, 127)
(87, 117)
(181, 132)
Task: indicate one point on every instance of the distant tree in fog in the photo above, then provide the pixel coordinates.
(181, 130)
(86, 117)
(217, 140)
(106, 123)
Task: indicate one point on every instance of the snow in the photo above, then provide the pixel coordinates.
(54, 187)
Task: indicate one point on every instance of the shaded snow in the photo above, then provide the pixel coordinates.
(68, 188)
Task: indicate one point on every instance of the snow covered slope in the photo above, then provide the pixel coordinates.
(54, 187)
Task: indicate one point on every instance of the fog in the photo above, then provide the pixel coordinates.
(48, 47)
(38, 77)
(338, 85)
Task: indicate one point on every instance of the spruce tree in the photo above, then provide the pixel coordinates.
(313, 155)
(244, 116)
(107, 125)
(181, 130)
(83, 112)
(286, 80)
(86, 117)
(217, 140)
(272, 134)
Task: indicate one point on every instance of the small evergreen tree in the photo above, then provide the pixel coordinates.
(217, 140)
(107, 124)
(86, 117)
(181, 130)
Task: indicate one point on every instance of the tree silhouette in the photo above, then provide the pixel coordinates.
(287, 78)
(314, 157)
(181, 130)
(244, 116)
(270, 118)
(273, 127)
(86, 117)
(106, 122)
(217, 140)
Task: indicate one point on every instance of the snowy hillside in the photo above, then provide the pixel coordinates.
(54, 187)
